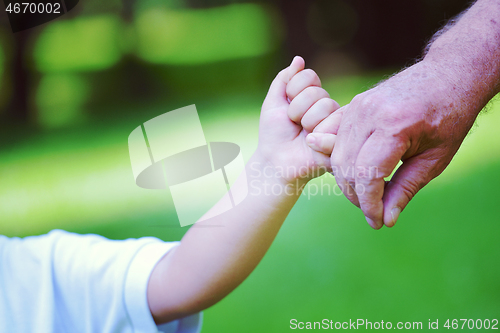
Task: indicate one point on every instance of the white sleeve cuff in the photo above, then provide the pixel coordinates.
(135, 293)
(136, 284)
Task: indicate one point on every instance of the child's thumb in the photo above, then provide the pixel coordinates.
(276, 95)
(298, 63)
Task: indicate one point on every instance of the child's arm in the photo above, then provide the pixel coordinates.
(216, 255)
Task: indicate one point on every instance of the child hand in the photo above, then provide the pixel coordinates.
(322, 139)
(221, 258)
(294, 106)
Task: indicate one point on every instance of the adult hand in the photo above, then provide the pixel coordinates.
(420, 116)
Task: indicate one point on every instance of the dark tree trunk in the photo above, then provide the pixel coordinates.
(18, 108)
(298, 41)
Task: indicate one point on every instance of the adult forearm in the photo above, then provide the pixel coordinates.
(467, 53)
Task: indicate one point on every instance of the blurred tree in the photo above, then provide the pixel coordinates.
(390, 31)
(394, 33)
(18, 107)
(128, 10)
(21, 70)
(298, 40)
(380, 33)
(211, 3)
(438, 12)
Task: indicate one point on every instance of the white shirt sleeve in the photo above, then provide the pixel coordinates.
(63, 282)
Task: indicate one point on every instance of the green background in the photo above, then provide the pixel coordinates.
(96, 75)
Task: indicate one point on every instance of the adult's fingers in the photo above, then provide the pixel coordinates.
(351, 136)
(322, 163)
(276, 96)
(377, 159)
(321, 142)
(411, 176)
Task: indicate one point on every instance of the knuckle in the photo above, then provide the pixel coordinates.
(410, 187)
(367, 173)
(351, 195)
(349, 178)
(333, 104)
(310, 92)
(307, 122)
(335, 161)
(290, 91)
(328, 104)
(293, 115)
(368, 104)
(368, 207)
(314, 93)
(386, 115)
(281, 75)
(322, 143)
(310, 75)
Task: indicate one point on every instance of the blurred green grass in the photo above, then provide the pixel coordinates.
(440, 261)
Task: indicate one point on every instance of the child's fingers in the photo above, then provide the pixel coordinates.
(331, 123)
(321, 142)
(276, 96)
(318, 112)
(305, 100)
(301, 81)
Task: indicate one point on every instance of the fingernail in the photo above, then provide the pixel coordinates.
(372, 223)
(395, 214)
(312, 142)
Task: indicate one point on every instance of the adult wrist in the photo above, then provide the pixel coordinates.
(455, 86)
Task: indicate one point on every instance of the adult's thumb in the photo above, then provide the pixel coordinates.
(410, 177)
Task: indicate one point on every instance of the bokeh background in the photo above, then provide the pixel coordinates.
(73, 89)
